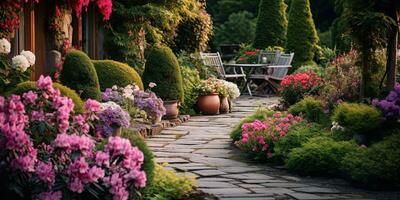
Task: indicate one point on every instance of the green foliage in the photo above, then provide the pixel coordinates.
(112, 73)
(311, 68)
(193, 33)
(162, 68)
(357, 118)
(193, 60)
(298, 134)
(260, 114)
(148, 163)
(271, 24)
(190, 78)
(319, 156)
(239, 28)
(65, 91)
(302, 38)
(377, 166)
(78, 73)
(311, 109)
(168, 185)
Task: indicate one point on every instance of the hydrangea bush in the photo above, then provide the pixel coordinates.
(258, 137)
(295, 87)
(48, 153)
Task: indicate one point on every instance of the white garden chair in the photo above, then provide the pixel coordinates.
(214, 60)
(276, 71)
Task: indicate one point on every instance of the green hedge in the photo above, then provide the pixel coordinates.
(65, 91)
(271, 24)
(112, 73)
(79, 74)
(357, 118)
(319, 156)
(162, 68)
(311, 109)
(377, 166)
(302, 37)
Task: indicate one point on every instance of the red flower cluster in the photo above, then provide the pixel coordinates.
(306, 81)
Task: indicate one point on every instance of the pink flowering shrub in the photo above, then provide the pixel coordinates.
(46, 150)
(258, 137)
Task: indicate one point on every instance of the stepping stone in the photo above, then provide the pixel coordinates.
(225, 191)
(285, 185)
(239, 169)
(155, 144)
(305, 196)
(217, 179)
(279, 191)
(248, 176)
(209, 172)
(317, 190)
(174, 132)
(249, 186)
(171, 160)
(212, 184)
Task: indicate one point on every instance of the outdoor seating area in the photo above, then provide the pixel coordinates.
(266, 74)
(199, 99)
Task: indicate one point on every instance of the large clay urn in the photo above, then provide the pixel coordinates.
(172, 109)
(224, 107)
(209, 104)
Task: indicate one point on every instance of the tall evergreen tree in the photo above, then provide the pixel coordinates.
(271, 24)
(302, 37)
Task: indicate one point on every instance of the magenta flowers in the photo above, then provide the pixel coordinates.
(258, 137)
(50, 149)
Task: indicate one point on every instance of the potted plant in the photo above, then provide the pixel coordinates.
(208, 102)
(162, 67)
(151, 104)
(113, 118)
(223, 96)
(232, 91)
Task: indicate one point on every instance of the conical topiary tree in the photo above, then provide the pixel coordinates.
(302, 38)
(271, 24)
(162, 68)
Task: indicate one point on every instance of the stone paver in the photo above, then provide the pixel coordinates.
(202, 147)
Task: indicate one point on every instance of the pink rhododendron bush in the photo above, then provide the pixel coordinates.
(258, 137)
(49, 152)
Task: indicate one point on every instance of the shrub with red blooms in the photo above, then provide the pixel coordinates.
(258, 137)
(9, 11)
(250, 56)
(294, 87)
(46, 151)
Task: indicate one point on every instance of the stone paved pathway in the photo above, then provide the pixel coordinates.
(202, 147)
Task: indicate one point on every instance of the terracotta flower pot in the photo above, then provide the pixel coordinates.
(208, 105)
(117, 131)
(155, 120)
(172, 109)
(224, 107)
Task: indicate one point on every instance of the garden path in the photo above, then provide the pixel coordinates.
(202, 147)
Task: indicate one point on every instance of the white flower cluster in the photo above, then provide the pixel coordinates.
(23, 61)
(336, 127)
(110, 104)
(233, 90)
(5, 46)
(20, 62)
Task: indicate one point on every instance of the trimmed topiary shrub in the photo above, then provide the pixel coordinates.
(357, 118)
(271, 24)
(148, 163)
(311, 109)
(79, 74)
(65, 91)
(260, 114)
(302, 37)
(377, 166)
(319, 156)
(112, 73)
(162, 68)
(298, 134)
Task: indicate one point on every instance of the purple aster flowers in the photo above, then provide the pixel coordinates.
(390, 106)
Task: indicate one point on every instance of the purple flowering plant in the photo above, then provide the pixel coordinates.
(112, 116)
(69, 163)
(150, 103)
(390, 106)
